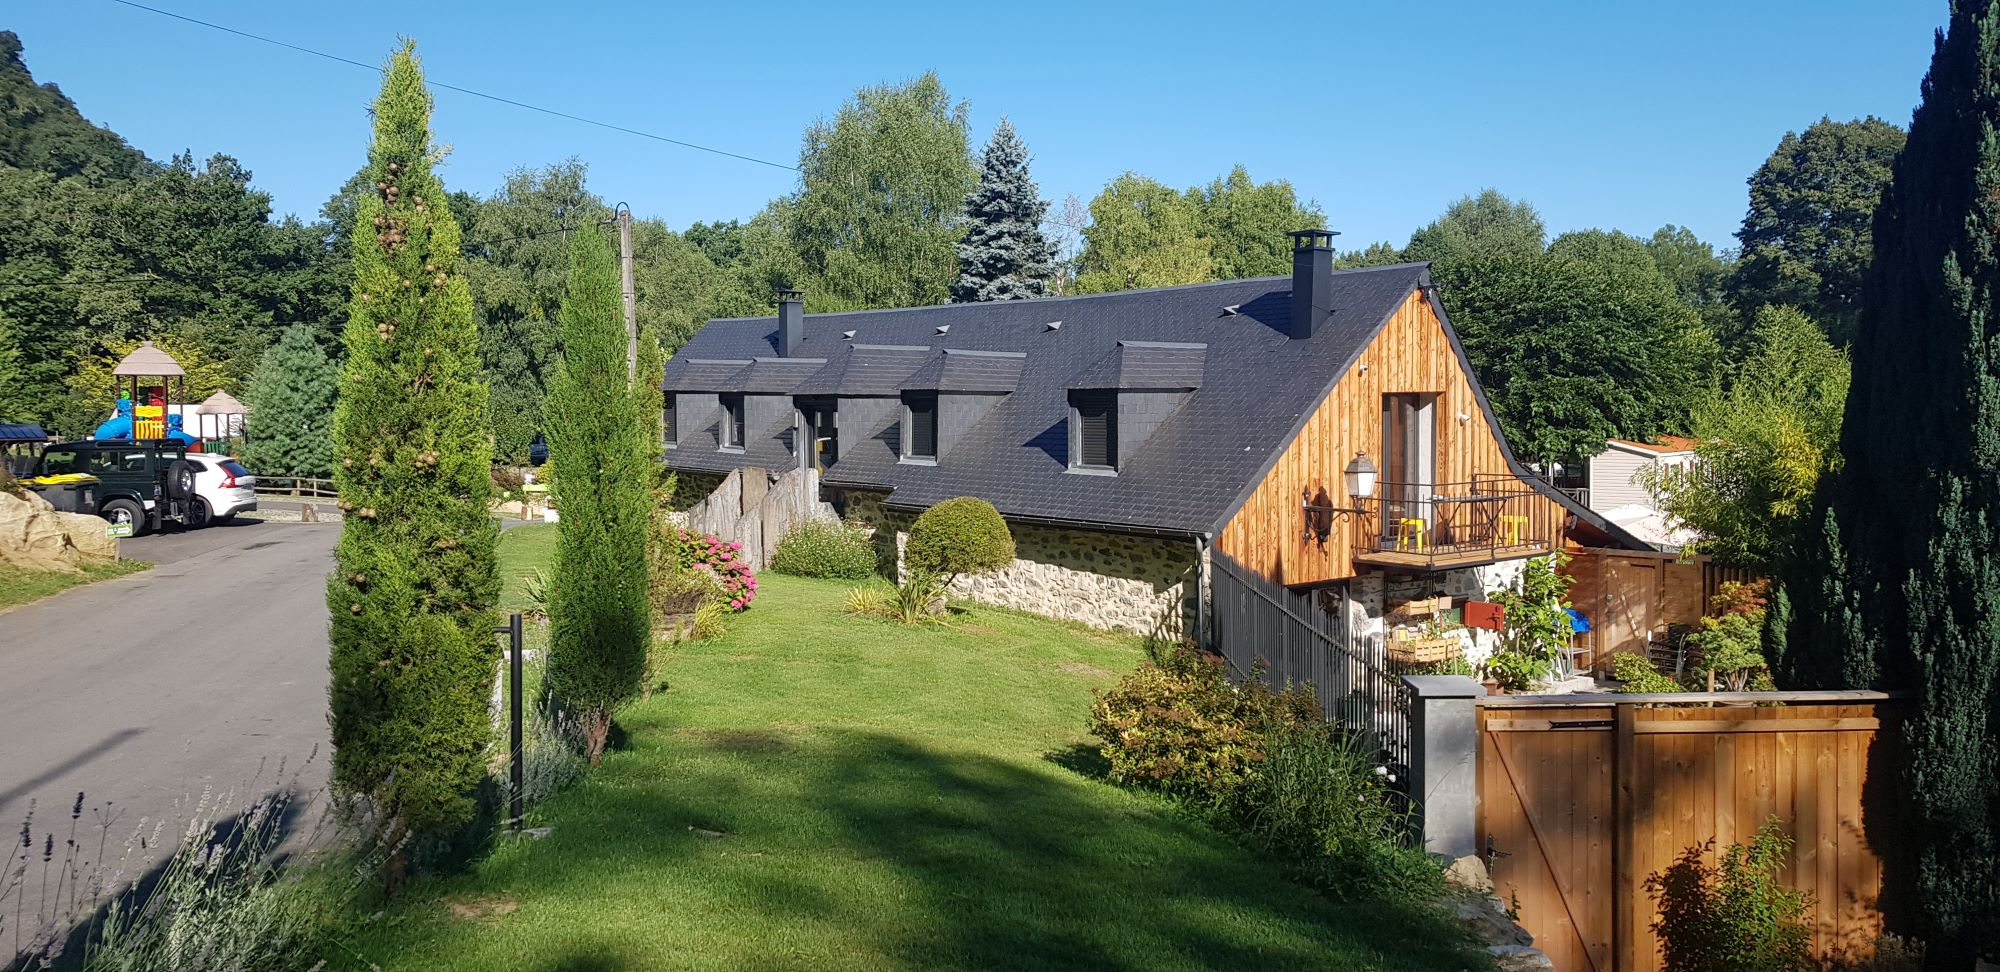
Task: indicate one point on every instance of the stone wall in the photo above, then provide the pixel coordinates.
(1371, 596)
(1115, 581)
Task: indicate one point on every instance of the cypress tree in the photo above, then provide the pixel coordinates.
(1004, 255)
(1899, 588)
(291, 399)
(412, 595)
(599, 441)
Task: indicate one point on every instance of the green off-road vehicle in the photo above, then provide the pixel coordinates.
(139, 482)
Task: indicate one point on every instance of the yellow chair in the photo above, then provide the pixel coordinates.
(1512, 527)
(1410, 533)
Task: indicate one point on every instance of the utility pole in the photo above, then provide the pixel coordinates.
(631, 295)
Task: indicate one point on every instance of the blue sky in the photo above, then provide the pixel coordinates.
(1602, 114)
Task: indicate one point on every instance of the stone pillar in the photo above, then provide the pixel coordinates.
(1444, 751)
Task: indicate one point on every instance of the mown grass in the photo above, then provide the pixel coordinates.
(19, 586)
(815, 791)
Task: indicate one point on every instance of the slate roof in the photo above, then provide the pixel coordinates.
(1147, 364)
(962, 370)
(774, 376)
(710, 374)
(1256, 387)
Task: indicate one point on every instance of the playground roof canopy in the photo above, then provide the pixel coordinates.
(149, 361)
(221, 403)
(22, 432)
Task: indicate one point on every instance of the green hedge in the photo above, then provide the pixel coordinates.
(825, 548)
(959, 536)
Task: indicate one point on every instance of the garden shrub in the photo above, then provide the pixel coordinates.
(1184, 728)
(1322, 803)
(723, 560)
(919, 599)
(1537, 625)
(1735, 916)
(1640, 676)
(959, 536)
(826, 548)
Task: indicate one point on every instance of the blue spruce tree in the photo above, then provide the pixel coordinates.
(1004, 255)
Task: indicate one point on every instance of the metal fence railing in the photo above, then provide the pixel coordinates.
(1305, 637)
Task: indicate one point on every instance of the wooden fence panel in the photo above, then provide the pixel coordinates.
(1585, 801)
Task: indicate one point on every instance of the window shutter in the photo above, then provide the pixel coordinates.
(923, 426)
(732, 421)
(669, 420)
(1097, 430)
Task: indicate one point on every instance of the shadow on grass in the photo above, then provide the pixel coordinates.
(883, 853)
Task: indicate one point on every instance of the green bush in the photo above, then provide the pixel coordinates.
(826, 548)
(1182, 727)
(1736, 916)
(959, 536)
(919, 599)
(1320, 802)
(1639, 675)
(1537, 626)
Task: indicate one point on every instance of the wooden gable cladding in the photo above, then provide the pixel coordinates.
(1412, 354)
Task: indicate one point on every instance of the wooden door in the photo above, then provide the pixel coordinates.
(1631, 604)
(1546, 826)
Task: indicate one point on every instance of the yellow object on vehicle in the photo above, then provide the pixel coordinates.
(60, 479)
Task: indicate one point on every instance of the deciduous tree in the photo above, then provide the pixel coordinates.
(1488, 226)
(413, 589)
(1141, 234)
(1246, 222)
(881, 187)
(1806, 238)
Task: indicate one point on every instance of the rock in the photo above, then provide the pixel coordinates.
(1484, 917)
(1468, 873)
(1520, 958)
(35, 537)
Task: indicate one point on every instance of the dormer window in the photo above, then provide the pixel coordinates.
(920, 424)
(669, 421)
(732, 422)
(1094, 416)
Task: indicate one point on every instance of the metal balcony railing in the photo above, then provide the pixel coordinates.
(1454, 524)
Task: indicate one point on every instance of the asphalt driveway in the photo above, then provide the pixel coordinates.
(202, 674)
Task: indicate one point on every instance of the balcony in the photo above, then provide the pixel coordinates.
(1445, 526)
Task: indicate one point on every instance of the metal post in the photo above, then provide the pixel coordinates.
(631, 294)
(515, 771)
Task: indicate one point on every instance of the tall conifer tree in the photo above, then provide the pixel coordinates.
(1900, 586)
(1004, 255)
(291, 399)
(413, 591)
(600, 443)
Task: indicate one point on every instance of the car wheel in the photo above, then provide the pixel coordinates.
(199, 514)
(126, 511)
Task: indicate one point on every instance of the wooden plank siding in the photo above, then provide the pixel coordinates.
(1412, 354)
(1580, 804)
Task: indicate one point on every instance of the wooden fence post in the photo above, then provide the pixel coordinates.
(1624, 839)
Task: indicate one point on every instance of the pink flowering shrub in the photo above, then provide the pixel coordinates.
(724, 561)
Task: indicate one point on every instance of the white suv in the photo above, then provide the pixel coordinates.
(222, 489)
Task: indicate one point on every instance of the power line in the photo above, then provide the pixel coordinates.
(466, 91)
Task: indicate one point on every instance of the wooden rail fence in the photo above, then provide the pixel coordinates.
(1582, 797)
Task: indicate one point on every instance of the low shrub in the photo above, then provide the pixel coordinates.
(1638, 675)
(508, 480)
(1892, 953)
(552, 747)
(959, 536)
(919, 599)
(1322, 803)
(1183, 728)
(1736, 916)
(826, 548)
(722, 559)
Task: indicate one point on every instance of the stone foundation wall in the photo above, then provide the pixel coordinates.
(1115, 581)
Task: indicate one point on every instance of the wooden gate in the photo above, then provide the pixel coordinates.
(1582, 797)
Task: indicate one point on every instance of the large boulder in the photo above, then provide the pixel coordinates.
(33, 536)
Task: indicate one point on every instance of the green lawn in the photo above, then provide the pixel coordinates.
(18, 586)
(815, 791)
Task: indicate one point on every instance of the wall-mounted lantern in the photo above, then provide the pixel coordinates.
(1321, 514)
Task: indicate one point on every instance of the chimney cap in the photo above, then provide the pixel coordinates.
(791, 294)
(1313, 239)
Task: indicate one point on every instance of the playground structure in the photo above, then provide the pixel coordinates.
(152, 393)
